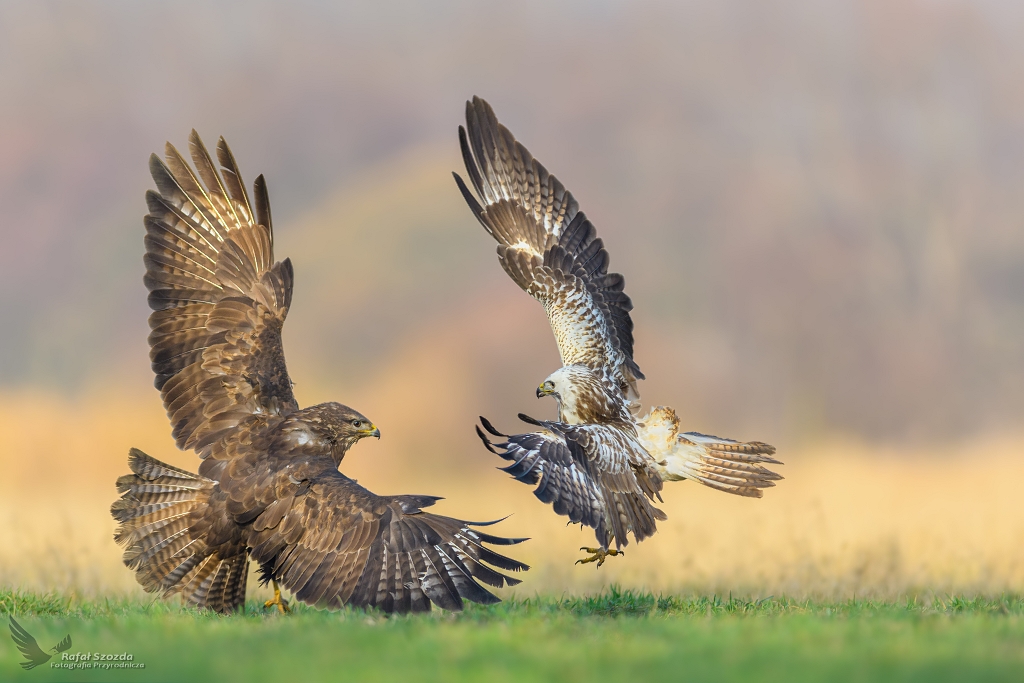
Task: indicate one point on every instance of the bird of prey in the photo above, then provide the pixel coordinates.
(30, 649)
(268, 488)
(597, 463)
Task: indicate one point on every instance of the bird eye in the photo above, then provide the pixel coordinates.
(356, 423)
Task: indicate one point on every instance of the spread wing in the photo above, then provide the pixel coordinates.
(592, 474)
(548, 247)
(334, 543)
(219, 300)
(27, 644)
(544, 458)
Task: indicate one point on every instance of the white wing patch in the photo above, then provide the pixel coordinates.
(522, 245)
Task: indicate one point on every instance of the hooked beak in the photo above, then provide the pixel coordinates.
(372, 430)
(542, 392)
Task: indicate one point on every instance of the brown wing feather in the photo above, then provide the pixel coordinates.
(333, 543)
(219, 300)
(548, 247)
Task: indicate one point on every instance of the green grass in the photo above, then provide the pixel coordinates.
(617, 635)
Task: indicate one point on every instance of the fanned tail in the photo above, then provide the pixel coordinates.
(166, 516)
(723, 464)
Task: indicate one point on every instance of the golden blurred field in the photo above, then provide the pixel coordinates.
(816, 206)
(847, 520)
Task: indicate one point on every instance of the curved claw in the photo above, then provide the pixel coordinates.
(599, 555)
(282, 604)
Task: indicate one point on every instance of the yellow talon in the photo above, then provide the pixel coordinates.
(599, 555)
(281, 603)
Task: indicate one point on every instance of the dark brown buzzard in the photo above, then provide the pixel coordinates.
(268, 488)
(597, 464)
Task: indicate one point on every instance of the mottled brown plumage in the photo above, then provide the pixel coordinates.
(268, 488)
(597, 464)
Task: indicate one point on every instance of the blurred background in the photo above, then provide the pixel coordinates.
(817, 206)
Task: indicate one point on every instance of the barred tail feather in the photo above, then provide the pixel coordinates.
(158, 512)
(722, 464)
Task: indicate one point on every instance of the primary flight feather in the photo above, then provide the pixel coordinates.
(597, 464)
(268, 488)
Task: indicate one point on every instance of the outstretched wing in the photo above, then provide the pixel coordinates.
(548, 247)
(333, 543)
(28, 646)
(544, 458)
(593, 474)
(219, 300)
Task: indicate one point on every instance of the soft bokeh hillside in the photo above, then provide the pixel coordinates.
(817, 207)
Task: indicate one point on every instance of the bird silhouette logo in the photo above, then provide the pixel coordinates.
(30, 648)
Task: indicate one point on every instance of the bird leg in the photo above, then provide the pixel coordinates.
(281, 603)
(599, 555)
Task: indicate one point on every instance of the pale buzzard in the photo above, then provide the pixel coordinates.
(597, 464)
